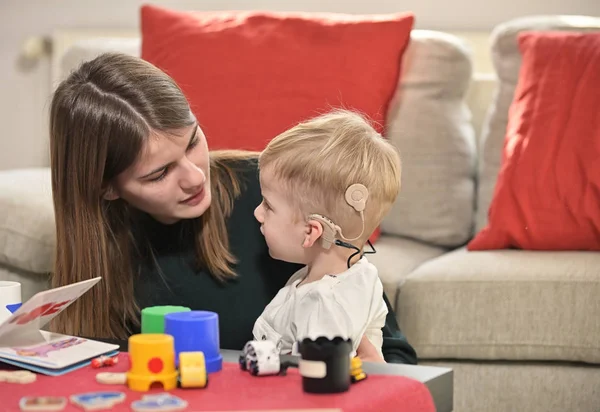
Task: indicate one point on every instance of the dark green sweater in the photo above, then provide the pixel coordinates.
(240, 301)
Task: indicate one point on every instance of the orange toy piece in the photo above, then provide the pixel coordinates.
(152, 358)
(104, 361)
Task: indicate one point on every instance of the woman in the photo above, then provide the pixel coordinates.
(139, 202)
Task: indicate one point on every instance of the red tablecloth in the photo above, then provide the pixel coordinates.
(232, 389)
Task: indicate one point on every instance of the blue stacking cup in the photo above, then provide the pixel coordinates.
(196, 331)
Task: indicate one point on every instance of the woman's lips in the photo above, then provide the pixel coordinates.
(194, 199)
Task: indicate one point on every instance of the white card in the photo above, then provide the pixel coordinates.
(34, 314)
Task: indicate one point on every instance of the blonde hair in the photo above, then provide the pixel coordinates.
(317, 160)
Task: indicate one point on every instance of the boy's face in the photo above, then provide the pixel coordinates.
(283, 230)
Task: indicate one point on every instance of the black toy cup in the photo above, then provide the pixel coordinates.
(325, 364)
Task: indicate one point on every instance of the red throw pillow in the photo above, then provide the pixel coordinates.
(251, 75)
(547, 196)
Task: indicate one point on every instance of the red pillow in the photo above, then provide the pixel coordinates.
(251, 75)
(547, 196)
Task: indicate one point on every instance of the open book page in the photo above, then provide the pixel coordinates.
(56, 351)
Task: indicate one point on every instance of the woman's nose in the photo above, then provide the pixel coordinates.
(193, 175)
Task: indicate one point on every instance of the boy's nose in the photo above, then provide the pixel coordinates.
(258, 213)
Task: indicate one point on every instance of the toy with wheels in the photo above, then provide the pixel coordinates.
(192, 370)
(260, 358)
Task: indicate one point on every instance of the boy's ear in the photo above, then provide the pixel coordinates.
(314, 230)
(109, 193)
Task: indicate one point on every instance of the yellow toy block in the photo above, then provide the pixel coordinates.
(356, 371)
(152, 358)
(192, 370)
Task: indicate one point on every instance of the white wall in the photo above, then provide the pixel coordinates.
(25, 90)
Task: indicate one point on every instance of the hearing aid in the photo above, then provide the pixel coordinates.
(356, 196)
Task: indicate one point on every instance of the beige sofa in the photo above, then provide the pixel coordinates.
(520, 329)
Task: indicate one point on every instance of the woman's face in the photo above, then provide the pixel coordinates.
(171, 179)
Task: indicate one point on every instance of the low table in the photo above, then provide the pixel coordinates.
(439, 381)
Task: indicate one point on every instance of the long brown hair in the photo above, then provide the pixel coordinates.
(100, 117)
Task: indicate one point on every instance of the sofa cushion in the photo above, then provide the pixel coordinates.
(508, 304)
(27, 232)
(396, 258)
(429, 122)
(250, 75)
(522, 386)
(547, 194)
(89, 48)
(507, 63)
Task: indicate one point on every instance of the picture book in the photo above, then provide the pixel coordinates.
(23, 343)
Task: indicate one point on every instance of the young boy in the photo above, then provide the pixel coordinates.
(326, 183)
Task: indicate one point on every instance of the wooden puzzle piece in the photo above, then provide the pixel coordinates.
(22, 377)
(112, 378)
(42, 403)
(97, 400)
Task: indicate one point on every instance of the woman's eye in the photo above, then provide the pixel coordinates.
(161, 176)
(193, 144)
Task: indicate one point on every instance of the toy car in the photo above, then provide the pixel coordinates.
(356, 372)
(192, 370)
(260, 358)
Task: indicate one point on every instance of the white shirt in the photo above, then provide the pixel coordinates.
(349, 305)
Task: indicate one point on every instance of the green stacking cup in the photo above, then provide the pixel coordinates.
(153, 318)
